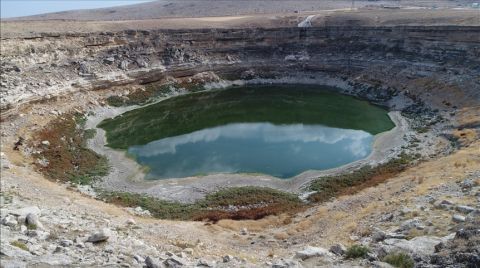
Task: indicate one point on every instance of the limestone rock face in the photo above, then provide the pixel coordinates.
(185, 52)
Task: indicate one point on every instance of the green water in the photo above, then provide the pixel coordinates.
(276, 130)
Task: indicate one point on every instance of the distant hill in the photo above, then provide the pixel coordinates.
(205, 8)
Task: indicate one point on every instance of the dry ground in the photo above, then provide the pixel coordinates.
(367, 17)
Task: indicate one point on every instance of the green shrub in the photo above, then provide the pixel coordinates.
(357, 251)
(115, 101)
(19, 244)
(32, 226)
(399, 259)
(348, 183)
(253, 203)
(89, 133)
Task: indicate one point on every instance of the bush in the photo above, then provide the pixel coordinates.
(399, 259)
(19, 244)
(32, 226)
(357, 251)
(115, 101)
(349, 183)
(249, 202)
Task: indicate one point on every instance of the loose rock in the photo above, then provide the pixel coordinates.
(338, 249)
(100, 236)
(458, 218)
(310, 252)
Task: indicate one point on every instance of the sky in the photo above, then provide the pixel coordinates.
(17, 8)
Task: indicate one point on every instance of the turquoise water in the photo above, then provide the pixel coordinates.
(279, 150)
(277, 130)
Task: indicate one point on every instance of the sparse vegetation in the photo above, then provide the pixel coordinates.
(349, 183)
(66, 157)
(357, 251)
(115, 101)
(233, 203)
(400, 260)
(140, 96)
(250, 203)
(32, 226)
(19, 244)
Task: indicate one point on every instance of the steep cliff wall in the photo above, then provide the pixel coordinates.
(437, 59)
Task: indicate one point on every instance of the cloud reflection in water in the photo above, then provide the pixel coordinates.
(278, 150)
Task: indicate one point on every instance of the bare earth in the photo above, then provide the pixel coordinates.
(367, 17)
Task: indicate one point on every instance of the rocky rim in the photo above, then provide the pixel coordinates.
(430, 211)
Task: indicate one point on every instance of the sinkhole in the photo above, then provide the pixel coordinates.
(279, 130)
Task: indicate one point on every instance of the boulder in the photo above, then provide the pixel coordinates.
(139, 258)
(124, 65)
(467, 184)
(66, 243)
(338, 249)
(175, 261)
(444, 204)
(464, 209)
(378, 235)
(310, 252)
(100, 236)
(109, 60)
(421, 245)
(282, 263)
(472, 216)
(26, 210)
(10, 221)
(152, 263)
(410, 224)
(205, 263)
(395, 235)
(379, 264)
(84, 68)
(458, 218)
(33, 221)
(227, 258)
(142, 63)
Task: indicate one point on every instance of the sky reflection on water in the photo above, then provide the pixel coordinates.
(278, 150)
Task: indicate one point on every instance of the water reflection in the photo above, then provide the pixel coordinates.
(279, 150)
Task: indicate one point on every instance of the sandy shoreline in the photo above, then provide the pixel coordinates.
(127, 175)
